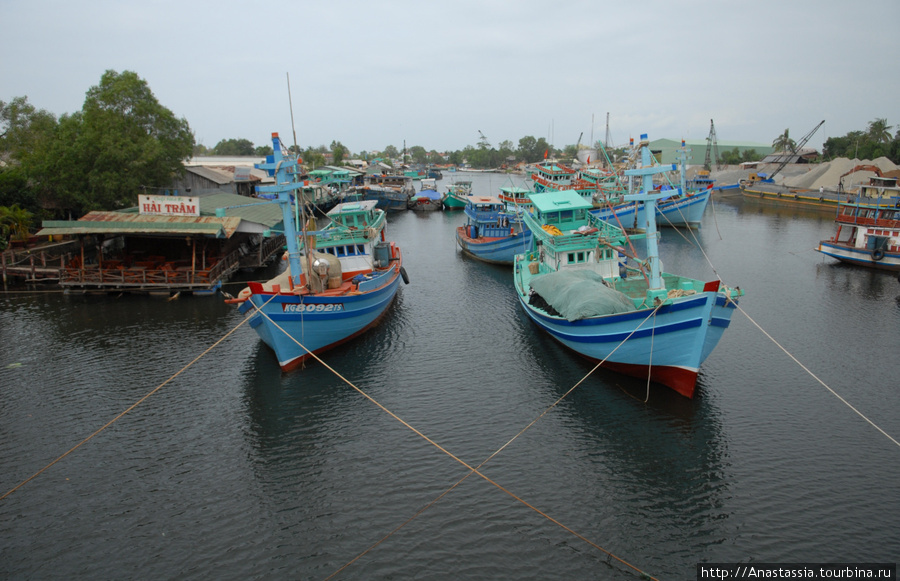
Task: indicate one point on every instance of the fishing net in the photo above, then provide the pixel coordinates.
(578, 294)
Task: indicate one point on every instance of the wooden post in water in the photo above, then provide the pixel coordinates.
(3, 261)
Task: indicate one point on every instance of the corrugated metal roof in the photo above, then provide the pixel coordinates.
(255, 210)
(129, 223)
(213, 174)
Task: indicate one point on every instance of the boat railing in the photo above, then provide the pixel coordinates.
(576, 239)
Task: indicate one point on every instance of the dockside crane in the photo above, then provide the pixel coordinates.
(712, 148)
(786, 158)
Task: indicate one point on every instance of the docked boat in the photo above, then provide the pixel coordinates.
(428, 199)
(340, 279)
(491, 233)
(673, 209)
(515, 197)
(581, 284)
(677, 207)
(391, 192)
(455, 197)
(868, 227)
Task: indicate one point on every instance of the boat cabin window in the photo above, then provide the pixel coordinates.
(576, 257)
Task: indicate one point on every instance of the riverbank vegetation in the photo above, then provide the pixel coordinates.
(123, 142)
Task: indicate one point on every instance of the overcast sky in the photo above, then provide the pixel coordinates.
(373, 74)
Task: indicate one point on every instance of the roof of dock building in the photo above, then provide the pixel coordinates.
(235, 214)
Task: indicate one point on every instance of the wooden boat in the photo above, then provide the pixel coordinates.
(868, 227)
(492, 234)
(428, 199)
(515, 197)
(455, 197)
(390, 192)
(340, 279)
(682, 206)
(633, 318)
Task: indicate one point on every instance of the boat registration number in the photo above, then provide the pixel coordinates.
(312, 308)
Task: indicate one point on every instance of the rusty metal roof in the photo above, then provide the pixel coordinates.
(128, 223)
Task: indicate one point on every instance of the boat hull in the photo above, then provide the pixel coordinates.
(860, 256)
(453, 202)
(496, 250)
(685, 211)
(284, 322)
(669, 348)
(388, 200)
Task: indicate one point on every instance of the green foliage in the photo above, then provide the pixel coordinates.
(121, 143)
(532, 150)
(313, 157)
(874, 142)
(735, 156)
(15, 222)
(391, 152)
(15, 190)
(418, 154)
(234, 147)
(338, 151)
(784, 142)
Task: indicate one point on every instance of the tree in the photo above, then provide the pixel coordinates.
(784, 142)
(418, 154)
(23, 128)
(879, 131)
(122, 142)
(233, 147)
(338, 151)
(532, 150)
(15, 222)
(391, 152)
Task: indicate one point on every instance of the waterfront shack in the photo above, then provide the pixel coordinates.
(169, 243)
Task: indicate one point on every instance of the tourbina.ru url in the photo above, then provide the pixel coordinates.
(797, 571)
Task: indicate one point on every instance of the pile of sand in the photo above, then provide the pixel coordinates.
(828, 175)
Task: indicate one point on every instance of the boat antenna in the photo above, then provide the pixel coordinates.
(291, 106)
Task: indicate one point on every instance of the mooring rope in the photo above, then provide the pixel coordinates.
(797, 361)
(475, 469)
(131, 407)
(814, 376)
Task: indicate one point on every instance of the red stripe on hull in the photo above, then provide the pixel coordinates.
(681, 380)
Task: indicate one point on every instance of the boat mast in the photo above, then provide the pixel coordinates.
(284, 187)
(682, 158)
(649, 197)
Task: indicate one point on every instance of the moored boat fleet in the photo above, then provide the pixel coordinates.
(571, 244)
(574, 269)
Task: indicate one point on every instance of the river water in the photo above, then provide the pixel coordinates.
(233, 470)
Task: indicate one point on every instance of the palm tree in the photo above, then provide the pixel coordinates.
(784, 142)
(879, 131)
(15, 222)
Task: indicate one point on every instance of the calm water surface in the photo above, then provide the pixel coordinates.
(233, 470)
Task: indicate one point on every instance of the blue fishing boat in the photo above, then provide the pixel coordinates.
(583, 284)
(682, 206)
(428, 199)
(868, 227)
(340, 279)
(673, 209)
(390, 191)
(491, 233)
